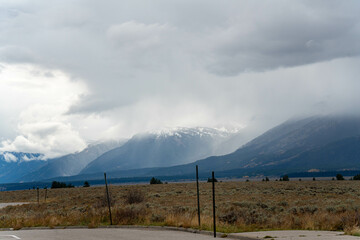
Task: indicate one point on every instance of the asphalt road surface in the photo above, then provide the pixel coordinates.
(98, 233)
(152, 234)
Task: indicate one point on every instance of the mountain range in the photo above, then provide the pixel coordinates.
(162, 149)
(320, 143)
(153, 149)
(312, 144)
(70, 164)
(15, 164)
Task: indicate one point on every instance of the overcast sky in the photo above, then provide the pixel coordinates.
(72, 72)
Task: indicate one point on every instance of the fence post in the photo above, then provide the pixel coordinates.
(213, 192)
(37, 191)
(45, 193)
(108, 199)
(198, 195)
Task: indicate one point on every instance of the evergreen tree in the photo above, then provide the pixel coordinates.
(155, 181)
(339, 177)
(356, 177)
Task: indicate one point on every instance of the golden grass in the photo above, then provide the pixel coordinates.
(241, 206)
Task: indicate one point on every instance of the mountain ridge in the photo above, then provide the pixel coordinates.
(164, 148)
(16, 164)
(273, 151)
(70, 164)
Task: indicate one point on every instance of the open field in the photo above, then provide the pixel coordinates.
(241, 206)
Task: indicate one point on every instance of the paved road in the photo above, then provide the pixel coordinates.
(151, 234)
(100, 234)
(298, 235)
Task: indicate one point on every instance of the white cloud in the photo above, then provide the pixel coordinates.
(37, 100)
(51, 138)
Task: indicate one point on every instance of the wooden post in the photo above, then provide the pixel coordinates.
(108, 198)
(37, 190)
(213, 192)
(45, 193)
(198, 195)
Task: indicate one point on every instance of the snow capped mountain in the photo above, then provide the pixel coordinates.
(20, 156)
(167, 147)
(183, 132)
(324, 143)
(14, 165)
(196, 131)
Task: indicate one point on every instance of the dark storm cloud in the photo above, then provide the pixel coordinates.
(267, 36)
(153, 63)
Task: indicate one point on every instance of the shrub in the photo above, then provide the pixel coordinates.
(155, 181)
(356, 177)
(339, 177)
(130, 215)
(56, 184)
(285, 178)
(134, 196)
(103, 201)
(229, 217)
(157, 218)
(86, 184)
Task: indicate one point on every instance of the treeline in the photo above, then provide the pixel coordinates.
(56, 184)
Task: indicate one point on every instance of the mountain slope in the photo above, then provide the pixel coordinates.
(70, 164)
(162, 149)
(323, 143)
(16, 164)
(286, 141)
(340, 155)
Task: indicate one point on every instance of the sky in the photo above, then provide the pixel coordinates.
(74, 72)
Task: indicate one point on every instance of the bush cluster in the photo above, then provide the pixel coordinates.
(56, 184)
(155, 181)
(134, 196)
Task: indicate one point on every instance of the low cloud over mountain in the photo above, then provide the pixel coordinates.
(78, 71)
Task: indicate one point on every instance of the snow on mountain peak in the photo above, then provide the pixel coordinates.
(20, 156)
(195, 131)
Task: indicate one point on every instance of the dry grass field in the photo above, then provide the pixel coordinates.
(241, 206)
